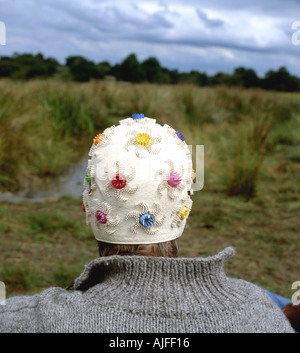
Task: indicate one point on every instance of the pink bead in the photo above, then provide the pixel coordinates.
(174, 179)
(101, 217)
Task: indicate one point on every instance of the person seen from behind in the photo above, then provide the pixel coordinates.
(137, 198)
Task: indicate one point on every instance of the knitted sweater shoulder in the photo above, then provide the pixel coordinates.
(133, 294)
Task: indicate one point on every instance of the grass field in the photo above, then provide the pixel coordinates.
(251, 194)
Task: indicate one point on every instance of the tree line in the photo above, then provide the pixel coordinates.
(78, 68)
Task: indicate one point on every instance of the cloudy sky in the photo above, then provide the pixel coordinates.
(208, 36)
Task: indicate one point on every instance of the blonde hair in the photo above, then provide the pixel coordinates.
(164, 249)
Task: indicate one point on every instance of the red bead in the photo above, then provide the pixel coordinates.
(119, 182)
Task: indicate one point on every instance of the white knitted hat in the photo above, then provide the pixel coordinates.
(138, 184)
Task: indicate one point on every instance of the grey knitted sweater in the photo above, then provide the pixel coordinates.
(147, 294)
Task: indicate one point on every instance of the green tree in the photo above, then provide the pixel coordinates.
(7, 66)
(130, 70)
(152, 70)
(174, 76)
(281, 80)
(82, 69)
(26, 66)
(247, 77)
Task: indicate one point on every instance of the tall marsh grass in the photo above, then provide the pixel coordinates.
(47, 125)
(247, 150)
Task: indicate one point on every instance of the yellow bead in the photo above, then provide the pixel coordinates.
(143, 139)
(184, 212)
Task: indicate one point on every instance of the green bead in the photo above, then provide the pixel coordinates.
(87, 178)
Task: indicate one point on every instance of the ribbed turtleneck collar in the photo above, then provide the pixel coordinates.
(160, 285)
(145, 268)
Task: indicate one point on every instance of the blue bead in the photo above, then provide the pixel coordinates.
(146, 220)
(180, 135)
(137, 116)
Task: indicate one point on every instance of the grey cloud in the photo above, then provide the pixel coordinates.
(212, 23)
(237, 45)
(111, 20)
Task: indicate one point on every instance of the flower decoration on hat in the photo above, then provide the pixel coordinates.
(120, 182)
(103, 216)
(176, 135)
(181, 212)
(137, 119)
(180, 135)
(143, 141)
(137, 116)
(101, 140)
(184, 212)
(89, 179)
(98, 138)
(147, 218)
(172, 180)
